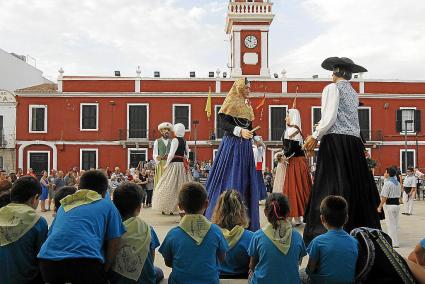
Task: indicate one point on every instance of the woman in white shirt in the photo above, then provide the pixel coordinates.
(341, 164)
(176, 173)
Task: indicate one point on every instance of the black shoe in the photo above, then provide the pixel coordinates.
(405, 213)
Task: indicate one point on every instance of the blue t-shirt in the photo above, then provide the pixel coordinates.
(81, 232)
(237, 258)
(423, 243)
(336, 253)
(148, 272)
(273, 266)
(18, 260)
(193, 263)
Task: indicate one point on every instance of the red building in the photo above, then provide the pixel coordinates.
(89, 121)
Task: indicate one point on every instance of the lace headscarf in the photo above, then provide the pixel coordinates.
(295, 118)
(236, 104)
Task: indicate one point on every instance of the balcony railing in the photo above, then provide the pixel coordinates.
(261, 8)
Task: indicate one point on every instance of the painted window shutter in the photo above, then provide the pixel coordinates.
(398, 120)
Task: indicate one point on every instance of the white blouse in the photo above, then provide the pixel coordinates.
(330, 103)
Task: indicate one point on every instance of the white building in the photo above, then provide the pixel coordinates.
(15, 73)
(7, 130)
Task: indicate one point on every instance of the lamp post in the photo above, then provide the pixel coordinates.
(195, 125)
(405, 143)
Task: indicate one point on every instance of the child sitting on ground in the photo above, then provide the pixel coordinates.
(333, 255)
(22, 232)
(84, 237)
(194, 248)
(230, 215)
(135, 259)
(276, 250)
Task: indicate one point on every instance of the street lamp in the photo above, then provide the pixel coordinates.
(195, 125)
(405, 142)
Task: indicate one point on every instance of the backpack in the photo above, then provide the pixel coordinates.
(377, 261)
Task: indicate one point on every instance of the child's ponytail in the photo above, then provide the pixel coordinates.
(277, 208)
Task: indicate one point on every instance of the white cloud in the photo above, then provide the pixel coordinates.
(386, 36)
(98, 37)
(93, 37)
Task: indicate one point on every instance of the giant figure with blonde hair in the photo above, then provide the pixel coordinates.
(234, 165)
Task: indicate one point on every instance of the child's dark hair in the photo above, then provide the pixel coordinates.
(277, 208)
(127, 198)
(25, 188)
(334, 210)
(192, 197)
(392, 172)
(94, 180)
(62, 193)
(4, 198)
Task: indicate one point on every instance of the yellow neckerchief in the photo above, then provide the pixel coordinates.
(81, 197)
(232, 237)
(134, 249)
(196, 226)
(235, 103)
(281, 237)
(15, 220)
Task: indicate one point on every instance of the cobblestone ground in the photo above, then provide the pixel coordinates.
(411, 229)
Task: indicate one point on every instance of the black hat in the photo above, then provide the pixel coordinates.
(332, 62)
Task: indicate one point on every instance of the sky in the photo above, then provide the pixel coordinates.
(97, 37)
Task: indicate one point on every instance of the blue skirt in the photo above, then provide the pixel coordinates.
(44, 193)
(234, 168)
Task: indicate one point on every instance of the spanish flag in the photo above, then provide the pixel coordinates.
(208, 105)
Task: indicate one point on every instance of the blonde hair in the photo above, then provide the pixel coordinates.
(230, 211)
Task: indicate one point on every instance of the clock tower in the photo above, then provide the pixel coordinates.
(247, 25)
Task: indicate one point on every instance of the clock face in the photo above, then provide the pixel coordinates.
(251, 41)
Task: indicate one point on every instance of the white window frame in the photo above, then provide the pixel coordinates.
(270, 118)
(370, 122)
(48, 159)
(401, 158)
(312, 116)
(136, 150)
(89, 149)
(81, 116)
(190, 115)
(128, 120)
(30, 108)
(214, 154)
(414, 122)
(215, 122)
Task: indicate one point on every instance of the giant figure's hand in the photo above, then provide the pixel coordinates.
(245, 133)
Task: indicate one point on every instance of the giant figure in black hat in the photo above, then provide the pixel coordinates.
(341, 164)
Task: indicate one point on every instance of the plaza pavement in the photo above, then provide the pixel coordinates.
(410, 233)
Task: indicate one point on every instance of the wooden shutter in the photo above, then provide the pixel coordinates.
(398, 120)
(417, 120)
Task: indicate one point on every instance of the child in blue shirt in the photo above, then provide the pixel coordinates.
(134, 262)
(22, 232)
(84, 237)
(333, 255)
(230, 215)
(194, 248)
(276, 250)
